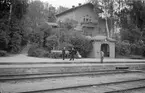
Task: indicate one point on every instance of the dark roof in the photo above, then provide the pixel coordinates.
(72, 9)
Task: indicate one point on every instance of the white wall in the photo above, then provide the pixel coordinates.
(112, 50)
(95, 53)
(97, 47)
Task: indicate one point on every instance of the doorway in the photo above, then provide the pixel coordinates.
(105, 49)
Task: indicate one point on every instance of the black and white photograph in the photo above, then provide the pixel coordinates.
(72, 46)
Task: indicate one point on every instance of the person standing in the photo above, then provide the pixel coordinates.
(72, 53)
(63, 53)
(102, 56)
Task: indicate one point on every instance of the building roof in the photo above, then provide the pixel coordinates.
(74, 8)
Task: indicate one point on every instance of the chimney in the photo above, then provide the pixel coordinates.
(73, 6)
(80, 4)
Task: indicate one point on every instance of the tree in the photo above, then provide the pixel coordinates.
(137, 15)
(51, 42)
(61, 9)
(131, 19)
(17, 7)
(81, 44)
(11, 16)
(107, 13)
(37, 13)
(51, 15)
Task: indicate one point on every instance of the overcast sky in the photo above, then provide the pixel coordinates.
(66, 3)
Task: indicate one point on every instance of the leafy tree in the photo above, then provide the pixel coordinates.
(81, 44)
(132, 20)
(51, 42)
(37, 13)
(12, 13)
(15, 8)
(3, 40)
(123, 48)
(68, 24)
(61, 9)
(36, 37)
(51, 15)
(137, 15)
(107, 7)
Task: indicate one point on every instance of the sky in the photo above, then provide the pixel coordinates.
(65, 3)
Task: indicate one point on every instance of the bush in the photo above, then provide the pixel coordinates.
(123, 48)
(15, 49)
(67, 45)
(138, 48)
(82, 45)
(52, 55)
(37, 53)
(51, 42)
(36, 37)
(4, 40)
(15, 43)
(3, 53)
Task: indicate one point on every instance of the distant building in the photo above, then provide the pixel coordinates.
(92, 27)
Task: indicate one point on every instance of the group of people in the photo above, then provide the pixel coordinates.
(72, 53)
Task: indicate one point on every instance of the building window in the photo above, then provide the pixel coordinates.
(87, 18)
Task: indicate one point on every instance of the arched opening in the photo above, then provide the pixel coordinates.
(105, 49)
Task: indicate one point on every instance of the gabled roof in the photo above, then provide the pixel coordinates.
(72, 9)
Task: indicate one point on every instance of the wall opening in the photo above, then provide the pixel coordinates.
(105, 49)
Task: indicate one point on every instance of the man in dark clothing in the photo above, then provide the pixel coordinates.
(63, 53)
(72, 53)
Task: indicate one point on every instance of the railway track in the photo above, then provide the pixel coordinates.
(58, 75)
(112, 87)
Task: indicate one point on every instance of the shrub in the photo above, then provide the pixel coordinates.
(123, 48)
(51, 42)
(52, 55)
(138, 48)
(37, 52)
(36, 37)
(66, 45)
(4, 40)
(3, 53)
(81, 44)
(15, 43)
